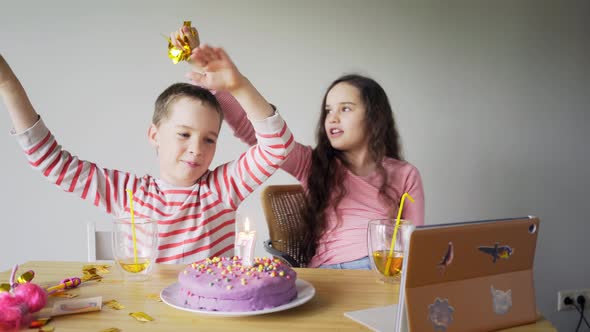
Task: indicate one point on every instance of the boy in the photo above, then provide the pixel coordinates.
(194, 206)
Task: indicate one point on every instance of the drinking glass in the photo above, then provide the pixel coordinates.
(379, 238)
(135, 245)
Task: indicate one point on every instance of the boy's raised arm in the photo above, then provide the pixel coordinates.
(220, 73)
(101, 186)
(15, 98)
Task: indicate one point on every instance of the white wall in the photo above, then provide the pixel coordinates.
(491, 99)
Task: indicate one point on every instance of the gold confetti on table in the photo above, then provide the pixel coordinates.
(114, 304)
(141, 316)
(90, 273)
(98, 268)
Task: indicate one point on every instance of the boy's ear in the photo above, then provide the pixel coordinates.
(153, 136)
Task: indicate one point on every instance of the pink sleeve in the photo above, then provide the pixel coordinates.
(298, 161)
(414, 211)
(235, 116)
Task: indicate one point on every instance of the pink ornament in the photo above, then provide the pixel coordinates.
(12, 312)
(33, 295)
(18, 304)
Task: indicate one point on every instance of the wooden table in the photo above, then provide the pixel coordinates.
(337, 291)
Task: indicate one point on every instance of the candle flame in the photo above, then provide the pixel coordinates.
(247, 225)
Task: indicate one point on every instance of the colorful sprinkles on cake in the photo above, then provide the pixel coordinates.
(228, 268)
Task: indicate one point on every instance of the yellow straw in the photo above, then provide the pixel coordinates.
(133, 225)
(399, 215)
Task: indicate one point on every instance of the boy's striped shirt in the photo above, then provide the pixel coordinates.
(193, 222)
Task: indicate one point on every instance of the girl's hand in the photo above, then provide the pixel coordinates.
(218, 70)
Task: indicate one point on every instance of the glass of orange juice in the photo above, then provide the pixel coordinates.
(379, 238)
(134, 247)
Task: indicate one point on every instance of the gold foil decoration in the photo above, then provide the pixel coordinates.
(112, 329)
(90, 273)
(97, 268)
(26, 277)
(114, 304)
(183, 54)
(141, 316)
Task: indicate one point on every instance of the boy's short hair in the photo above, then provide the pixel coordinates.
(179, 90)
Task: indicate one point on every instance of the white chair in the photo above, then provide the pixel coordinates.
(99, 241)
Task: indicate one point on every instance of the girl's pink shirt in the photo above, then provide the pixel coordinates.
(346, 239)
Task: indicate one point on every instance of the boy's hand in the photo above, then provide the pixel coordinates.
(6, 73)
(219, 72)
(186, 36)
(14, 97)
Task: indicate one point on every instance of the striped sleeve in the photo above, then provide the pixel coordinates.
(102, 187)
(235, 180)
(298, 162)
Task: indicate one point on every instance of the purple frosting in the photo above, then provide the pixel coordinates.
(224, 284)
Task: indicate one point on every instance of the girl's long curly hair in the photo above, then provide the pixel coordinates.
(326, 178)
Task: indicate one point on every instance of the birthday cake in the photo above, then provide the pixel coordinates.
(225, 284)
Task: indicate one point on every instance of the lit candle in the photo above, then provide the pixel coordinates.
(245, 244)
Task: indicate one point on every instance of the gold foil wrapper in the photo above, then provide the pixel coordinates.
(183, 54)
(141, 316)
(4, 288)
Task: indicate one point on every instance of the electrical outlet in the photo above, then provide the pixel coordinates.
(573, 294)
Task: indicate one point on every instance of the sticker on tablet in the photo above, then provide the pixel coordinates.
(502, 300)
(447, 258)
(497, 251)
(440, 313)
